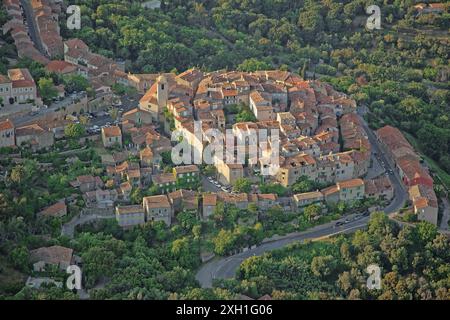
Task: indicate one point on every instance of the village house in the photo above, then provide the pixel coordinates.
(350, 190)
(59, 209)
(395, 145)
(158, 208)
(34, 135)
(429, 8)
(130, 216)
(137, 117)
(261, 105)
(111, 136)
(124, 191)
(425, 210)
(18, 87)
(187, 174)
(228, 173)
(240, 200)
(412, 173)
(87, 183)
(6, 91)
(335, 167)
(166, 182)
(146, 157)
(380, 188)
(142, 82)
(264, 201)
(209, 203)
(302, 200)
(286, 118)
(63, 68)
(100, 198)
(183, 200)
(331, 194)
(190, 78)
(7, 136)
(424, 203)
(295, 167)
(58, 256)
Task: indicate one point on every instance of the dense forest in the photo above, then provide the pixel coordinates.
(400, 72)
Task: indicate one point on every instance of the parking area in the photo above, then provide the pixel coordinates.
(210, 184)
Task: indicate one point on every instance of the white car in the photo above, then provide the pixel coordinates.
(224, 189)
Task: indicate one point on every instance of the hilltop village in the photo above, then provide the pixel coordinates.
(94, 143)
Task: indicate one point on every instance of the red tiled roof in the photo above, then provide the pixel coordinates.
(6, 125)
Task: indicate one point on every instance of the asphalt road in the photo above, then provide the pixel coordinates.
(225, 268)
(208, 186)
(128, 103)
(28, 118)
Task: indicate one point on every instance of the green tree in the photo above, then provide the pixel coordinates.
(253, 64)
(47, 89)
(242, 185)
(20, 258)
(324, 266)
(74, 130)
(224, 242)
(312, 211)
(245, 115)
(75, 82)
(302, 185)
(18, 174)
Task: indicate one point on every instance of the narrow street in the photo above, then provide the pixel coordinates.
(32, 27)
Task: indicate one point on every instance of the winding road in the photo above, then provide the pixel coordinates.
(225, 268)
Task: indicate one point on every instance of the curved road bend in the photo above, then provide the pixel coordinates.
(225, 268)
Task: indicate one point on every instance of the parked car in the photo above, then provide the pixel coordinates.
(338, 224)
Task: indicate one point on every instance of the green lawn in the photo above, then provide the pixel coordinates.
(444, 176)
